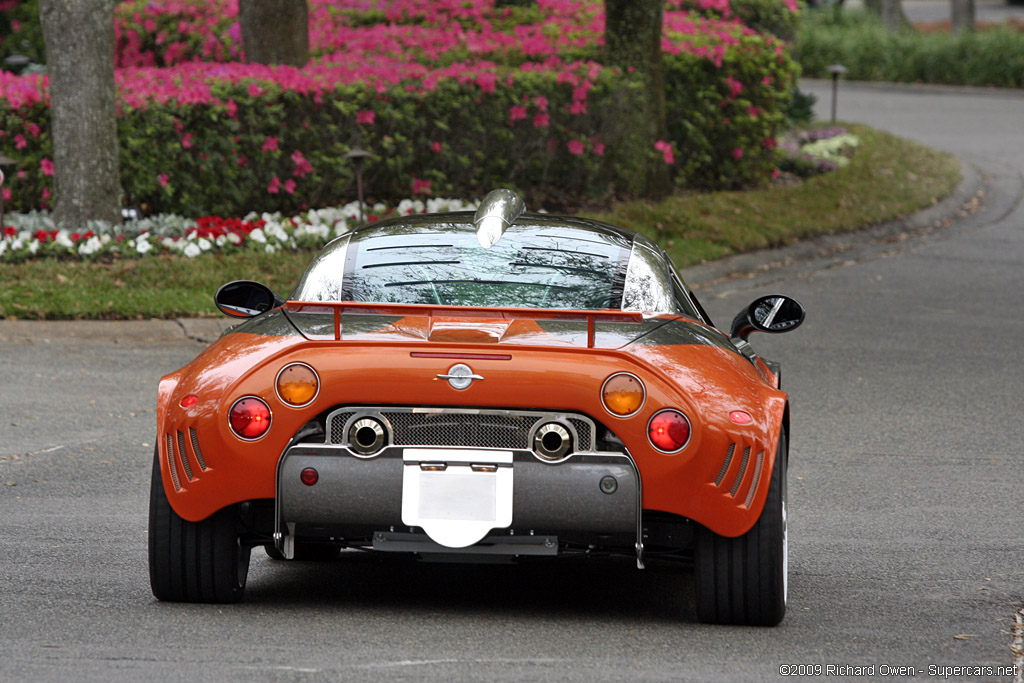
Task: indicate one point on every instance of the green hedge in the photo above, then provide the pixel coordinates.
(859, 42)
(459, 138)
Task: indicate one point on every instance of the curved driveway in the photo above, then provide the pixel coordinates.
(907, 468)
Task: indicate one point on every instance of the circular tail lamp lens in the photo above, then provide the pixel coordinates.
(297, 384)
(622, 394)
(250, 418)
(669, 431)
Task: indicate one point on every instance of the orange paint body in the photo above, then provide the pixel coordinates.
(720, 479)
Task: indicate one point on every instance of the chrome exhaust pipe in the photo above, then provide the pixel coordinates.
(552, 441)
(366, 436)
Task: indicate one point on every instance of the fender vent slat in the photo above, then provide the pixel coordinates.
(184, 456)
(725, 465)
(195, 449)
(171, 463)
(743, 470)
(756, 480)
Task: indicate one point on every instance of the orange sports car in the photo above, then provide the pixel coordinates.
(505, 384)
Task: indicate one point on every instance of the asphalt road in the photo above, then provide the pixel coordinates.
(906, 525)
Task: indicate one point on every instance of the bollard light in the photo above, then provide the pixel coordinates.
(836, 70)
(357, 154)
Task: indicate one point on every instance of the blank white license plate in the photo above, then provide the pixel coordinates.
(457, 506)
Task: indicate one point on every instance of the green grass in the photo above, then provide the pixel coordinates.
(888, 178)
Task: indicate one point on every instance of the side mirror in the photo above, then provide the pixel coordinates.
(245, 299)
(775, 313)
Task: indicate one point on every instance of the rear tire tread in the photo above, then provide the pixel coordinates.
(193, 561)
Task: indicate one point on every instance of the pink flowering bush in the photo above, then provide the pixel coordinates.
(449, 97)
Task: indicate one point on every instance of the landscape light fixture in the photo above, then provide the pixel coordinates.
(357, 154)
(836, 70)
(4, 161)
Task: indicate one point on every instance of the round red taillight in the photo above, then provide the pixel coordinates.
(669, 431)
(250, 418)
(189, 401)
(309, 476)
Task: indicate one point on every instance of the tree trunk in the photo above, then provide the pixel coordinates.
(891, 13)
(275, 31)
(79, 38)
(962, 14)
(632, 41)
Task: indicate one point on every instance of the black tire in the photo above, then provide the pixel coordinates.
(194, 561)
(744, 580)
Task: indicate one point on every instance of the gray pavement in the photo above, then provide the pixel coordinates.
(907, 531)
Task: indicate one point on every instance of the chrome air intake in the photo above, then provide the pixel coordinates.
(552, 441)
(498, 210)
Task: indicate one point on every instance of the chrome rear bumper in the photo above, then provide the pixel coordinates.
(356, 497)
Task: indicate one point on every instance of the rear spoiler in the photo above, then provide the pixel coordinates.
(430, 311)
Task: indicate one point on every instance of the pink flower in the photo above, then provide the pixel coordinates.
(599, 149)
(752, 111)
(33, 129)
(791, 5)
(666, 151)
(365, 116)
(436, 147)
(162, 179)
(768, 143)
(275, 186)
(302, 165)
(578, 107)
(255, 90)
(289, 186)
(19, 141)
(7, 194)
(575, 147)
(270, 144)
(420, 186)
(46, 193)
(46, 166)
(232, 108)
(737, 153)
(735, 87)
(515, 113)
(541, 120)
(186, 140)
(541, 102)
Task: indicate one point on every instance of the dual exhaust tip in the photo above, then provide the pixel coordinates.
(368, 436)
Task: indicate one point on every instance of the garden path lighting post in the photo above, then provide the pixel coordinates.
(4, 161)
(836, 70)
(357, 154)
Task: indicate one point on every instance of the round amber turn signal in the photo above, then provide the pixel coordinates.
(623, 394)
(297, 384)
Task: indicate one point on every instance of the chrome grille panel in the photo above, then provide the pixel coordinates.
(725, 465)
(757, 478)
(584, 432)
(336, 426)
(743, 470)
(195, 449)
(184, 456)
(171, 458)
(509, 429)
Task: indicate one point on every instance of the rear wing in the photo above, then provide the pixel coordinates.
(431, 311)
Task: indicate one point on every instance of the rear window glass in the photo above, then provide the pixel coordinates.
(532, 266)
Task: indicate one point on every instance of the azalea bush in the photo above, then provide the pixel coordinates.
(449, 98)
